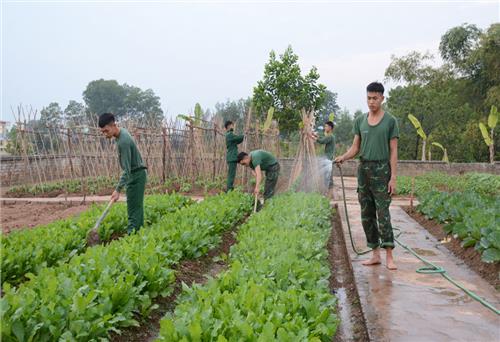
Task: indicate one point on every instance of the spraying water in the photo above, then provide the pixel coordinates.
(322, 172)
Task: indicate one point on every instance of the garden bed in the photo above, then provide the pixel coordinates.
(471, 257)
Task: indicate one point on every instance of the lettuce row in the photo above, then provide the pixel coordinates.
(277, 286)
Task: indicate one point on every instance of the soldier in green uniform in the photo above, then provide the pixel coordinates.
(328, 139)
(376, 140)
(258, 161)
(134, 171)
(232, 142)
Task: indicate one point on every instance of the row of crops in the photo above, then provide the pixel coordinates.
(467, 205)
(27, 251)
(276, 286)
(104, 184)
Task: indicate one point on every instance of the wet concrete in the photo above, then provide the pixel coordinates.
(405, 306)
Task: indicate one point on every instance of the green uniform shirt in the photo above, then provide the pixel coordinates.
(129, 156)
(262, 158)
(329, 142)
(232, 141)
(375, 139)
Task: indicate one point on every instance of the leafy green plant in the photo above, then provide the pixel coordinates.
(103, 289)
(472, 218)
(277, 286)
(420, 132)
(489, 137)
(25, 252)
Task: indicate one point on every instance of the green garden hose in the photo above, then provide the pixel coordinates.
(430, 268)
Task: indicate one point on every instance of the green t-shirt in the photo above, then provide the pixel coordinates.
(262, 158)
(129, 156)
(329, 142)
(232, 141)
(375, 139)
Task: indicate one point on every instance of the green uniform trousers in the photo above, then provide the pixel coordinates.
(373, 179)
(329, 176)
(231, 174)
(272, 174)
(135, 200)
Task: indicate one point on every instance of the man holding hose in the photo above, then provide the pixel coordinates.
(134, 171)
(376, 140)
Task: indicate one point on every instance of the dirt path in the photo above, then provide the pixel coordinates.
(403, 305)
(18, 215)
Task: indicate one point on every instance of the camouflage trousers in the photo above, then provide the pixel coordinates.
(373, 196)
(272, 175)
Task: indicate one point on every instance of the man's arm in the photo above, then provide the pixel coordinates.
(352, 152)
(393, 145)
(258, 179)
(125, 162)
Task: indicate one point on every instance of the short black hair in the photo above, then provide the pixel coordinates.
(106, 119)
(330, 123)
(375, 87)
(240, 157)
(227, 124)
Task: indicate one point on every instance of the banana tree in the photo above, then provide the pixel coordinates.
(445, 152)
(420, 132)
(269, 120)
(489, 137)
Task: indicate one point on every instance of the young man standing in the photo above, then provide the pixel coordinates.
(232, 142)
(376, 139)
(328, 139)
(258, 161)
(134, 171)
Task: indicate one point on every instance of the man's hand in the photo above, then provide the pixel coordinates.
(339, 159)
(256, 191)
(115, 196)
(392, 186)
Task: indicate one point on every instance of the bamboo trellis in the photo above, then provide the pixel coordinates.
(173, 149)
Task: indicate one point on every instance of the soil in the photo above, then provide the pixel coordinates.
(352, 321)
(471, 257)
(19, 215)
(188, 272)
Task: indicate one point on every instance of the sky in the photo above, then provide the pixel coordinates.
(211, 51)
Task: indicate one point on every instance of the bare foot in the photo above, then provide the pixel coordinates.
(390, 260)
(372, 261)
(391, 265)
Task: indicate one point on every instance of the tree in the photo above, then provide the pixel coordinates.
(103, 96)
(329, 106)
(234, 110)
(343, 128)
(284, 88)
(457, 45)
(51, 115)
(125, 101)
(142, 106)
(420, 132)
(74, 113)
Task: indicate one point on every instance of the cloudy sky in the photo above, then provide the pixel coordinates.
(209, 51)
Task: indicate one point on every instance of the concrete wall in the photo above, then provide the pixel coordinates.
(16, 170)
(414, 167)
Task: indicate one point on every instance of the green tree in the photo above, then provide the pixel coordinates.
(102, 96)
(234, 110)
(287, 90)
(51, 115)
(142, 106)
(74, 113)
(329, 106)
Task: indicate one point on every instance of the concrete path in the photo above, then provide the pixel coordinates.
(406, 306)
